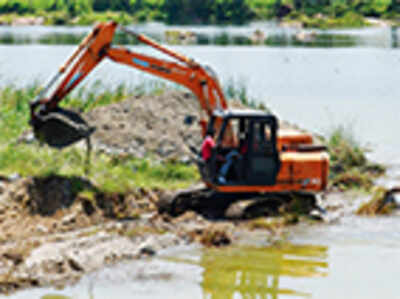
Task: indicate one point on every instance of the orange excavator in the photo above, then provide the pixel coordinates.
(275, 161)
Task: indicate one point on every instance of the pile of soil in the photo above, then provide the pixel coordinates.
(153, 126)
(148, 126)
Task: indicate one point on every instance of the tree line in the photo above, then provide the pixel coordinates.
(205, 11)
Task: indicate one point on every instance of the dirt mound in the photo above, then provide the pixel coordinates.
(153, 125)
(148, 125)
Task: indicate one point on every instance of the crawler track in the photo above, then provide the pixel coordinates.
(214, 205)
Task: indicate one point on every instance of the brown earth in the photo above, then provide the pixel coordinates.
(151, 125)
(148, 125)
(52, 232)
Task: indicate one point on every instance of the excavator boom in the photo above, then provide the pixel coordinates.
(97, 46)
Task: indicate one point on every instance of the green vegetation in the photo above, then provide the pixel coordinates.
(311, 13)
(350, 167)
(378, 205)
(237, 90)
(112, 173)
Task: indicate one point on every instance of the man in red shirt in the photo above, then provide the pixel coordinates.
(208, 145)
(206, 152)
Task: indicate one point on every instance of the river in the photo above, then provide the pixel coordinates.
(314, 86)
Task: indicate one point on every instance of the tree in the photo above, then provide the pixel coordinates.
(232, 11)
(76, 7)
(375, 8)
(101, 5)
(338, 7)
(186, 11)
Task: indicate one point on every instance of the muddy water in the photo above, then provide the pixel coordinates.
(357, 258)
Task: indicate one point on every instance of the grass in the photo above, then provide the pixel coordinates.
(107, 172)
(350, 168)
(63, 18)
(348, 20)
(110, 173)
(237, 90)
(378, 205)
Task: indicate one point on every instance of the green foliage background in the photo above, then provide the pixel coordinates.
(197, 11)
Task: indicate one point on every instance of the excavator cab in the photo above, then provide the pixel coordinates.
(249, 139)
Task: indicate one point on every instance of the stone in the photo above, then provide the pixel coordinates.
(42, 229)
(3, 187)
(68, 219)
(14, 177)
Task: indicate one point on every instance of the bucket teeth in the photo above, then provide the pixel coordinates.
(61, 128)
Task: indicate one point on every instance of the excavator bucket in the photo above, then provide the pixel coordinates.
(61, 128)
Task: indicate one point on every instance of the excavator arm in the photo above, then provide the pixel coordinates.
(98, 45)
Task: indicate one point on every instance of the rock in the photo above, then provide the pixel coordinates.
(16, 258)
(216, 235)
(147, 250)
(185, 159)
(148, 247)
(27, 138)
(68, 219)
(75, 265)
(3, 187)
(316, 215)
(42, 229)
(14, 177)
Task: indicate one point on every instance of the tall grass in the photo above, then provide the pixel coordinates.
(349, 166)
(238, 90)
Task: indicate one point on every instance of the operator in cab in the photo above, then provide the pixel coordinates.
(208, 145)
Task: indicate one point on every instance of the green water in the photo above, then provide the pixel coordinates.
(257, 272)
(239, 272)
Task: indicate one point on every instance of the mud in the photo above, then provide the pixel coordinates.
(54, 230)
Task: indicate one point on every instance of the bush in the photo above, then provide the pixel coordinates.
(349, 166)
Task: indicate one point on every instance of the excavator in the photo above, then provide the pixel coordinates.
(275, 162)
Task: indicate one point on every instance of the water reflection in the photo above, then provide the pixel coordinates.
(257, 272)
(55, 297)
(208, 35)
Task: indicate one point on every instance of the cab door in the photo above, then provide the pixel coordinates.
(262, 158)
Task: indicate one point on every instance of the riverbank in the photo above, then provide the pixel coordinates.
(59, 224)
(293, 20)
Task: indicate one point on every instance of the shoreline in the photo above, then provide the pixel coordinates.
(58, 225)
(299, 22)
